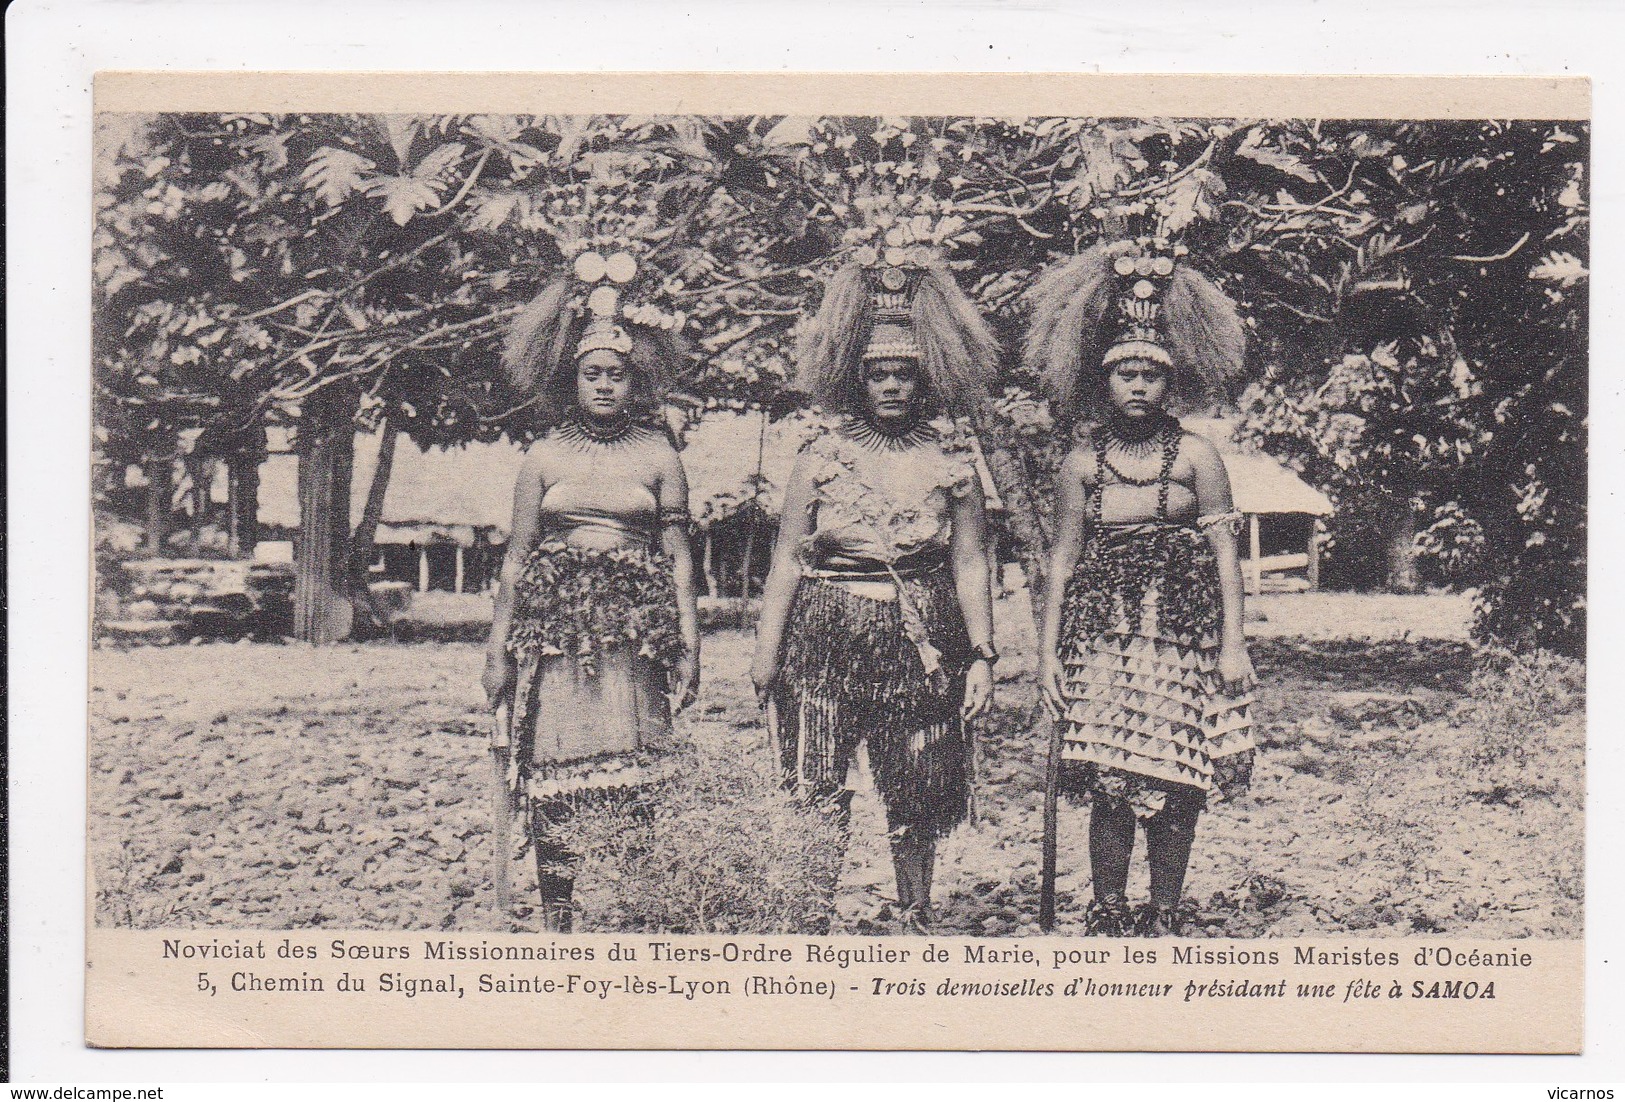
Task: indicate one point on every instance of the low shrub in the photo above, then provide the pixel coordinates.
(721, 848)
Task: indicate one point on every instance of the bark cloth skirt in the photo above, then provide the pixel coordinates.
(594, 636)
(1146, 713)
(855, 671)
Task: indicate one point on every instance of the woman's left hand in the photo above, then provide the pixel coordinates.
(1236, 669)
(978, 689)
(686, 679)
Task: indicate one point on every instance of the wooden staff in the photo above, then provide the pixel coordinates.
(501, 815)
(1052, 783)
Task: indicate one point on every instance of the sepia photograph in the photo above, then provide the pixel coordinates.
(930, 525)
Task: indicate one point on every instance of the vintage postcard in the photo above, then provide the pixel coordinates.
(864, 562)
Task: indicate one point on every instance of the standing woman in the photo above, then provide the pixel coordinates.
(876, 624)
(1143, 657)
(595, 621)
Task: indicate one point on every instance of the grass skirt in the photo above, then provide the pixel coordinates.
(1146, 712)
(852, 675)
(594, 636)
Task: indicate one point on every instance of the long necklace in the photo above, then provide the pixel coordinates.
(1167, 436)
(1139, 443)
(867, 434)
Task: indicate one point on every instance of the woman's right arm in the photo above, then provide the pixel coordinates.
(1071, 514)
(527, 502)
(795, 524)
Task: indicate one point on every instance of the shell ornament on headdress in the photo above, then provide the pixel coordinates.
(1132, 299)
(898, 301)
(611, 293)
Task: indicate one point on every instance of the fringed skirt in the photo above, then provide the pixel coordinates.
(851, 674)
(594, 635)
(1146, 712)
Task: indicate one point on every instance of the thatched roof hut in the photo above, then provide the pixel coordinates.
(721, 456)
(434, 495)
(1277, 503)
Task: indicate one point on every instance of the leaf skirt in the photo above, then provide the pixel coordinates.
(852, 675)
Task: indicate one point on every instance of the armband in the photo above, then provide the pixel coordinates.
(673, 516)
(1231, 520)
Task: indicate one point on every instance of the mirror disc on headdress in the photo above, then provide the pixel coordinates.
(867, 256)
(589, 267)
(1144, 289)
(893, 279)
(896, 236)
(922, 255)
(1163, 266)
(1142, 266)
(896, 256)
(1124, 265)
(602, 301)
(621, 267)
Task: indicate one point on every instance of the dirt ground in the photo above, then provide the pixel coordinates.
(281, 786)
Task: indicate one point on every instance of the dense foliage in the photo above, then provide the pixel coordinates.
(1416, 290)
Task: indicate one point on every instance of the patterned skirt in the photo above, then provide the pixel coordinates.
(594, 636)
(1146, 712)
(851, 675)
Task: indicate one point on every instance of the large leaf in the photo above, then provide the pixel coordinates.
(440, 162)
(1253, 148)
(403, 196)
(1561, 268)
(335, 174)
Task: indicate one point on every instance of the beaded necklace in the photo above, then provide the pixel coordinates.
(864, 432)
(1163, 480)
(583, 434)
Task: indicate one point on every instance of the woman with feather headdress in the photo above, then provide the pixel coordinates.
(876, 625)
(595, 628)
(1143, 659)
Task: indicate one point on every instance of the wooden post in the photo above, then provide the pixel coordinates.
(1256, 574)
(160, 495)
(423, 569)
(199, 471)
(457, 585)
(710, 565)
(242, 505)
(1314, 553)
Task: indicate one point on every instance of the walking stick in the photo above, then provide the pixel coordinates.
(501, 814)
(1052, 780)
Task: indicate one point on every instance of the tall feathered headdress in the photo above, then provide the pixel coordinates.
(1135, 298)
(895, 296)
(612, 293)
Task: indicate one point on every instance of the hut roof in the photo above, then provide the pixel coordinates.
(469, 486)
(720, 455)
(472, 486)
(1259, 483)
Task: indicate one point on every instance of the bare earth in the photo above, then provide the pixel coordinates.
(284, 786)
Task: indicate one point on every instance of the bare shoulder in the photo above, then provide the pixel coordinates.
(1200, 453)
(662, 456)
(539, 457)
(1079, 464)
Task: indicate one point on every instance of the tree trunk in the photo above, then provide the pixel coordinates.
(364, 549)
(243, 495)
(1007, 462)
(242, 504)
(745, 565)
(326, 448)
(160, 494)
(1399, 544)
(199, 470)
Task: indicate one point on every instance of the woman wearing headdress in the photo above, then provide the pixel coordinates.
(1143, 658)
(876, 625)
(595, 620)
